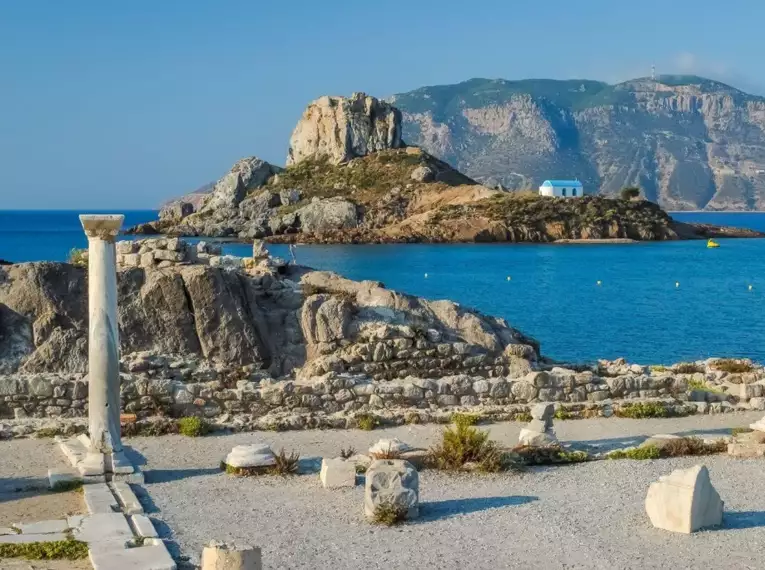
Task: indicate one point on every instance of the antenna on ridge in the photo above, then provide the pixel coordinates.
(653, 72)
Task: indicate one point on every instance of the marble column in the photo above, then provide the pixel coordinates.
(105, 453)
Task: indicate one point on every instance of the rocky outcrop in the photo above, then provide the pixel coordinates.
(688, 142)
(339, 129)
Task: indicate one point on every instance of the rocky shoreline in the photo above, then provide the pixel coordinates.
(351, 179)
(254, 343)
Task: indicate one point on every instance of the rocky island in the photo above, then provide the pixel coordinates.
(350, 178)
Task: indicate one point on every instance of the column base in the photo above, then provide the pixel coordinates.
(119, 463)
(90, 464)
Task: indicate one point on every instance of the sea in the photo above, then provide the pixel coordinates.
(651, 303)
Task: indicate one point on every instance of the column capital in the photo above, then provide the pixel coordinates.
(102, 226)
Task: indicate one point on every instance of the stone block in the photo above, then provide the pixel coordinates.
(130, 503)
(131, 260)
(105, 532)
(337, 473)
(43, 527)
(152, 557)
(759, 425)
(221, 556)
(537, 439)
(63, 476)
(395, 482)
(757, 404)
(684, 501)
(143, 526)
(256, 455)
(99, 499)
(29, 538)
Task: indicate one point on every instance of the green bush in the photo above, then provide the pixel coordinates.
(387, 513)
(642, 410)
(704, 387)
(524, 417)
(465, 419)
(549, 455)
(78, 257)
(463, 444)
(562, 414)
(640, 453)
(629, 193)
(193, 426)
(367, 422)
(685, 446)
(56, 550)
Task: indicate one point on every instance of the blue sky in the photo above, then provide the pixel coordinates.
(123, 104)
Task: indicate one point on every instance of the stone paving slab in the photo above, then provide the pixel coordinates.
(154, 557)
(143, 526)
(134, 478)
(74, 521)
(99, 499)
(130, 503)
(73, 449)
(62, 476)
(27, 538)
(104, 531)
(43, 527)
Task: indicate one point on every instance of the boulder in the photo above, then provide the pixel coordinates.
(539, 431)
(394, 445)
(684, 501)
(759, 425)
(325, 319)
(326, 215)
(247, 174)
(340, 129)
(392, 482)
(422, 174)
(337, 473)
(176, 211)
(255, 455)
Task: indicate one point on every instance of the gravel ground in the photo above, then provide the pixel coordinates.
(582, 516)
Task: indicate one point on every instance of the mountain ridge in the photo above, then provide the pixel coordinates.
(691, 143)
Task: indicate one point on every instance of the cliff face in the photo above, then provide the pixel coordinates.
(690, 143)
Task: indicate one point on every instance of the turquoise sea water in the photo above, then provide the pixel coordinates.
(637, 312)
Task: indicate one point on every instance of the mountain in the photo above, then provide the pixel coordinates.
(690, 143)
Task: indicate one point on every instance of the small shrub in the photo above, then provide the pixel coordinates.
(361, 468)
(367, 422)
(658, 368)
(549, 455)
(465, 419)
(347, 452)
(285, 464)
(629, 193)
(78, 257)
(193, 426)
(639, 453)
(562, 414)
(642, 410)
(386, 454)
(704, 387)
(47, 432)
(688, 368)
(412, 418)
(732, 366)
(463, 444)
(389, 514)
(524, 417)
(66, 486)
(57, 550)
(740, 430)
(685, 446)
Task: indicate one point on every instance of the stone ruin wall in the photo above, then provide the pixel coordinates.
(386, 371)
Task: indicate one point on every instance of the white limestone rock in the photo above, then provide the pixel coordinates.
(392, 481)
(336, 473)
(684, 501)
(221, 556)
(341, 128)
(537, 439)
(394, 445)
(759, 425)
(255, 455)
